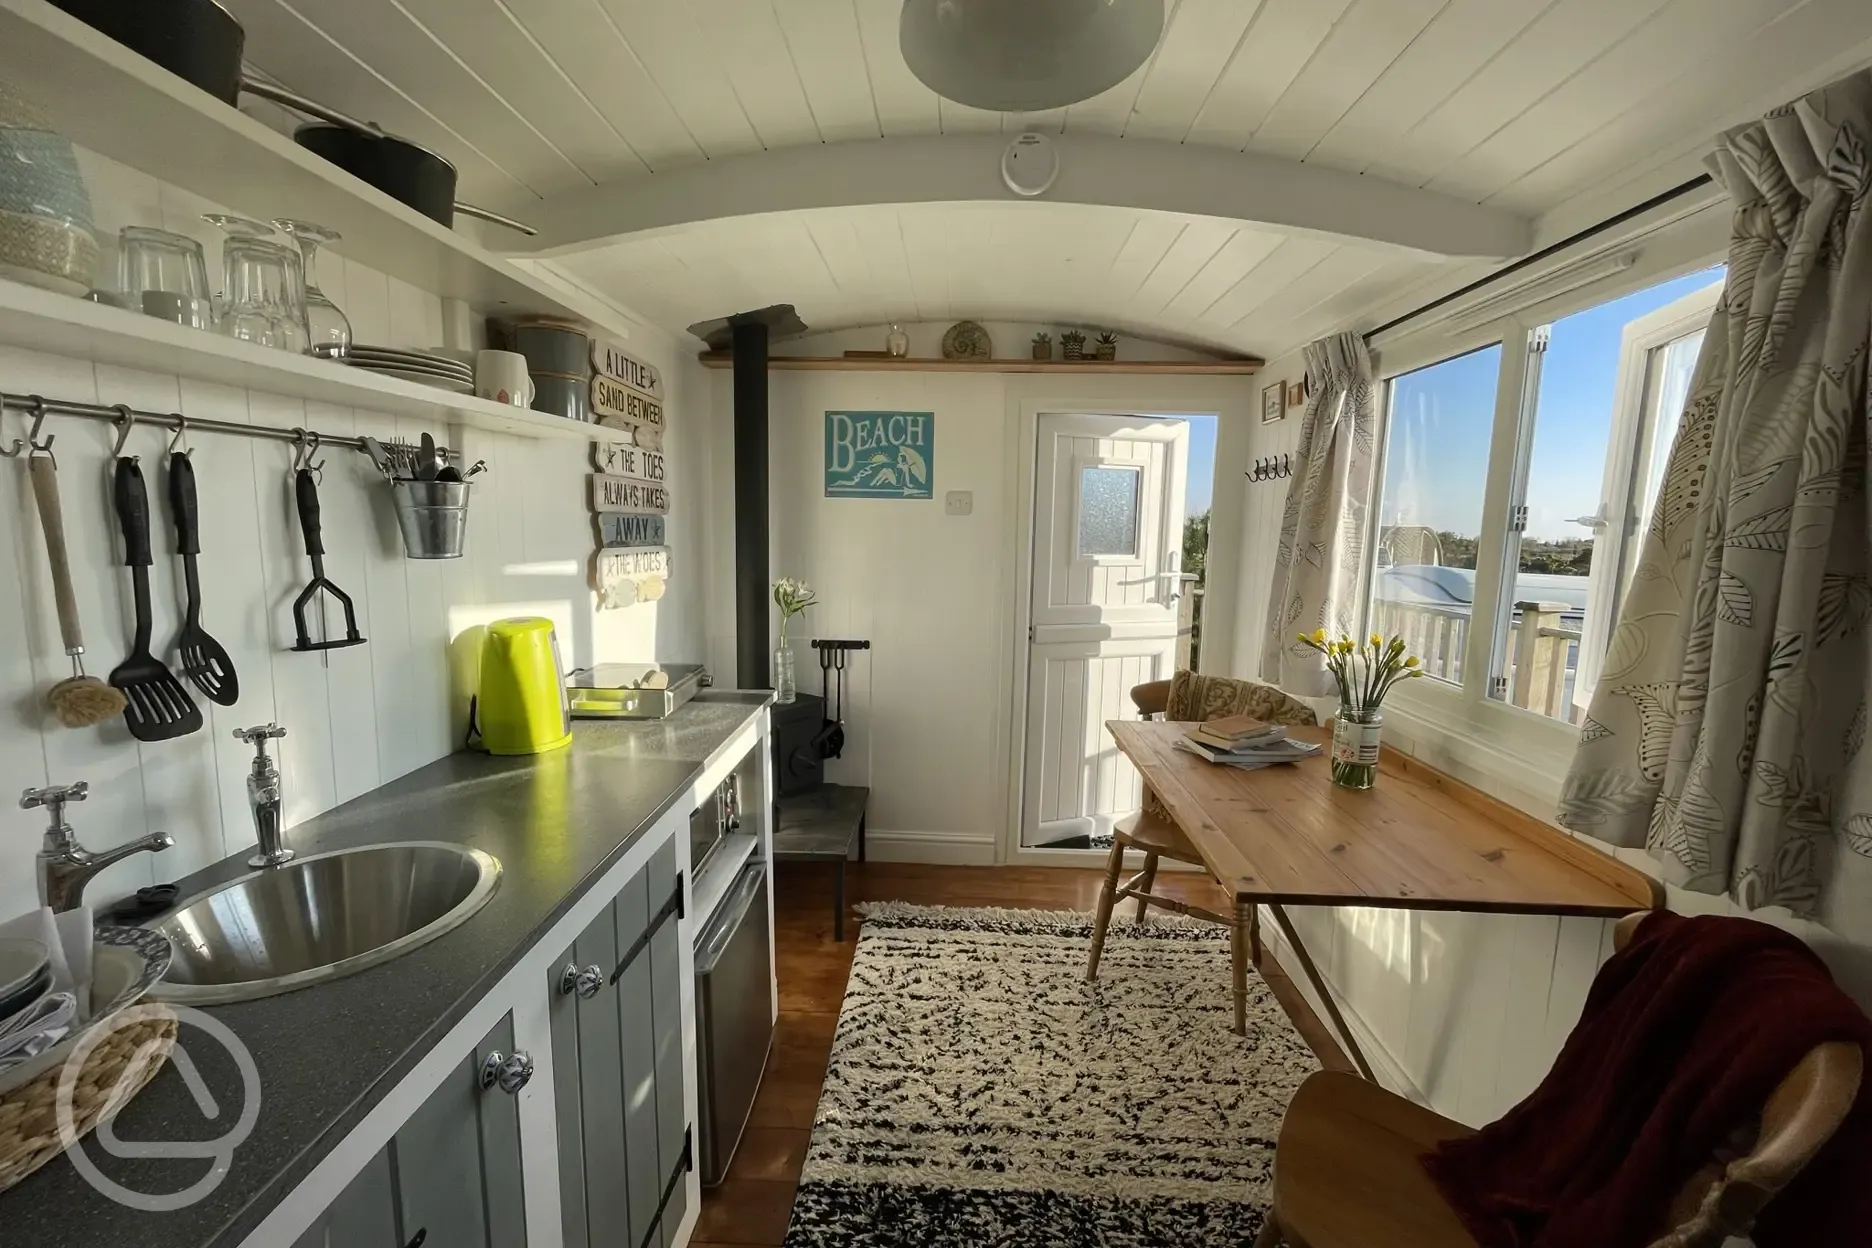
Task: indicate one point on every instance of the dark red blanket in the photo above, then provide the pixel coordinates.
(1684, 1035)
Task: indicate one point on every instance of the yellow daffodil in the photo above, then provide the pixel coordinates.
(1411, 662)
(1319, 636)
(1377, 639)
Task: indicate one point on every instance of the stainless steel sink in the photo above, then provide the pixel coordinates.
(320, 918)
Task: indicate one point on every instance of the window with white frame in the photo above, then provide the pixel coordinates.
(1503, 567)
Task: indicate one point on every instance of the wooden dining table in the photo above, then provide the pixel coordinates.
(1417, 840)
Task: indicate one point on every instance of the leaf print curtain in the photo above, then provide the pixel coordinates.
(1316, 570)
(1727, 731)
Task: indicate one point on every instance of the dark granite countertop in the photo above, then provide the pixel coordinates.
(328, 1054)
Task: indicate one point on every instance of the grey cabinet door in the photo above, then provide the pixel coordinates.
(455, 1165)
(568, 1102)
(633, 1003)
(363, 1216)
(672, 1136)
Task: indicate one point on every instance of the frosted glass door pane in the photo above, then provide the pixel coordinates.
(1108, 511)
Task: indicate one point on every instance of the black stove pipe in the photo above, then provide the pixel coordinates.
(752, 582)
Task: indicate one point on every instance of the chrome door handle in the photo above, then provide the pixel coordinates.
(507, 1072)
(586, 982)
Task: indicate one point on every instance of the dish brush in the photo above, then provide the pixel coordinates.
(80, 700)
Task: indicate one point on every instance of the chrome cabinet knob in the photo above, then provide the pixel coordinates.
(587, 983)
(508, 1072)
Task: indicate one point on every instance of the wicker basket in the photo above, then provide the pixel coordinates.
(29, 1134)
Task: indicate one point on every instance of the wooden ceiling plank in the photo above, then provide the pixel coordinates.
(904, 106)
(1196, 48)
(1276, 271)
(744, 36)
(1237, 257)
(1456, 44)
(681, 61)
(1602, 93)
(578, 36)
(1565, 39)
(497, 48)
(824, 43)
(1363, 45)
(1283, 38)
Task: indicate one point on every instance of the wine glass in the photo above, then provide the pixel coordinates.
(327, 327)
(264, 299)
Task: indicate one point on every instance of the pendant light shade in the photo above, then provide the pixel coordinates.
(1026, 55)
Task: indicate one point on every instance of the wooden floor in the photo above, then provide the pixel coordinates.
(750, 1209)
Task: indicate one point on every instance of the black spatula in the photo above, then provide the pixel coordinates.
(159, 707)
(204, 661)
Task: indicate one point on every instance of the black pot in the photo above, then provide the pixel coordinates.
(197, 40)
(400, 169)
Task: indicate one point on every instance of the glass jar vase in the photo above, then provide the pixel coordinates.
(786, 688)
(1355, 747)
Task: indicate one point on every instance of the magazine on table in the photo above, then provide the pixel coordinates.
(1267, 753)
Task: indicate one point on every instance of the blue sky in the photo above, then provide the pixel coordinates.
(1441, 416)
(1201, 465)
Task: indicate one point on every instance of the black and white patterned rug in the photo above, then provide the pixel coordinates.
(981, 1093)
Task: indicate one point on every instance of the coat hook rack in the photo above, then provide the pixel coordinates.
(1272, 468)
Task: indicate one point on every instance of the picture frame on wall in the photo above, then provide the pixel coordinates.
(1273, 405)
(1296, 394)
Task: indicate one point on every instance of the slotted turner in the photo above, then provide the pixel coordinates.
(159, 707)
(204, 661)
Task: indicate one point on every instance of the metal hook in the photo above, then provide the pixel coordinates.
(176, 438)
(126, 419)
(32, 437)
(299, 448)
(19, 449)
(312, 446)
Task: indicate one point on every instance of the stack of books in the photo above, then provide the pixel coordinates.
(1246, 742)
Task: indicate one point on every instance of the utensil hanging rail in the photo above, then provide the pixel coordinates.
(31, 404)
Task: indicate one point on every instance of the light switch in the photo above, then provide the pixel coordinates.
(958, 502)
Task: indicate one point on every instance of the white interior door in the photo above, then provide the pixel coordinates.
(1108, 539)
(1657, 354)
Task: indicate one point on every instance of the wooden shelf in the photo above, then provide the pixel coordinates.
(105, 97)
(1097, 368)
(39, 320)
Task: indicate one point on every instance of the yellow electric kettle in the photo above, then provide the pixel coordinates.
(520, 707)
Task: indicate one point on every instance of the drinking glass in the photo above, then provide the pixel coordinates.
(327, 326)
(164, 274)
(265, 294)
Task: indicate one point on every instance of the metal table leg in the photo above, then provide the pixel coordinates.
(1319, 987)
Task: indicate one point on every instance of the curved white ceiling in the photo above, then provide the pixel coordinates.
(1565, 110)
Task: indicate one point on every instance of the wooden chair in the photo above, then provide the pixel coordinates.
(1155, 834)
(1346, 1173)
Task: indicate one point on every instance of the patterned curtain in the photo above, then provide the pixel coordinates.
(1727, 731)
(1316, 571)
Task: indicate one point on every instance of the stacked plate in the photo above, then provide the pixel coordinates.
(424, 367)
(25, 976)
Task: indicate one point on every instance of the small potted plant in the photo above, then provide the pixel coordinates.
(792, 596)
(1072, 345)
(1107, 348)
(1043, 346)
(1364, 675)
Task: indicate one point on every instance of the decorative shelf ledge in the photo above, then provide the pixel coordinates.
(1106, 368)
(40, 320)
(105, 97)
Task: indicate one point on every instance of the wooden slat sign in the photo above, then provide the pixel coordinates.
(618, 531)
(636, 462)
(622, 577)
(613, 362)
(617, 405)
(621, 494)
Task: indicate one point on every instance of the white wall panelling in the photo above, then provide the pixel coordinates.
(928, 706)
(357, 717)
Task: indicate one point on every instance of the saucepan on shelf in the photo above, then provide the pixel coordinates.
(405, 171)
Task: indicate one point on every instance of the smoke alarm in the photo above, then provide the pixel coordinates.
(1030, 165)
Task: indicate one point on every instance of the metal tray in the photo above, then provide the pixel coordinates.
(613, 690)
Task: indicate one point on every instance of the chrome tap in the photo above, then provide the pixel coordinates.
(64, 866)
(265, 797)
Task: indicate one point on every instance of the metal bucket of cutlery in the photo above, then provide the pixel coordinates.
(433, 516)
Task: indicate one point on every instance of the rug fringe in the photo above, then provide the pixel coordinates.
(910, 912)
